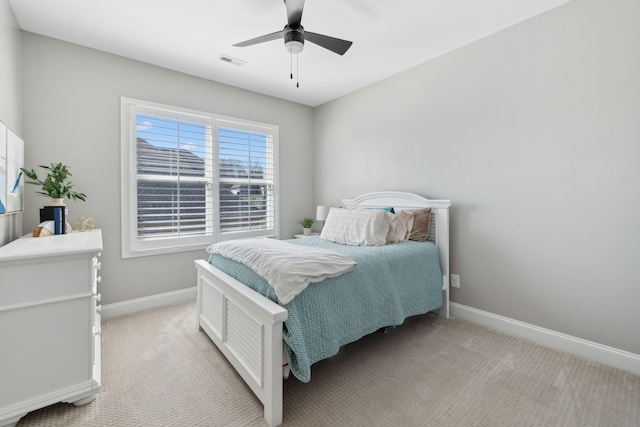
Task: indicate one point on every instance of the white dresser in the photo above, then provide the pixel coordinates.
(49, 322)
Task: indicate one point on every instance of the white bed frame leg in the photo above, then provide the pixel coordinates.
(442, 241)
(444, 309)
(273, 377)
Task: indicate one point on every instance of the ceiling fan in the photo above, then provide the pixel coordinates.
(294, 34)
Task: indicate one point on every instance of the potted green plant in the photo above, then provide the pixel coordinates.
(306, 224)
(56, 185)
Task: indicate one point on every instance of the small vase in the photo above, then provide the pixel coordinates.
(57, 202)
(306, 231)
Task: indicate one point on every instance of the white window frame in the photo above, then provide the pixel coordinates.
(134, 247)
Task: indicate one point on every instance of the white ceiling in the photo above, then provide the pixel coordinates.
(190, 35)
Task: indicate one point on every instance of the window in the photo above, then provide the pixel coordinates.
(191, 178)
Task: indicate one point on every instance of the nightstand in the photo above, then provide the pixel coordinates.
(302, 236)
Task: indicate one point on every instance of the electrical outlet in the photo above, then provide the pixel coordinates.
(455, 281)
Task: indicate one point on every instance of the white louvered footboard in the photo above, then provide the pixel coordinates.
(247, 328)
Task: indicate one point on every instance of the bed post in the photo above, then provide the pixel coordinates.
(273, 376)
(442, 241)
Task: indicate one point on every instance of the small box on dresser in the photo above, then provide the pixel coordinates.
(49, 322)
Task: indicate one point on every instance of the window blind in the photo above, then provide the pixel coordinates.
(173, 186)
(246, 180)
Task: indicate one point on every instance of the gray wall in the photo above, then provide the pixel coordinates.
(10, 98)
(72, 114)
(534, 135)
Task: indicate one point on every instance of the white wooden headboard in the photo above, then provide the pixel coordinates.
(438, 231)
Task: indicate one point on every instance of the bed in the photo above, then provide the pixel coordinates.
(255, 333)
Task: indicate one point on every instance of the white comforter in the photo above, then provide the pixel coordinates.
(288, 268)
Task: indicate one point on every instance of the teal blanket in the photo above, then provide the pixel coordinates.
(389, 284)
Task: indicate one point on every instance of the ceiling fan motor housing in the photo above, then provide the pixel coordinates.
(294, 39)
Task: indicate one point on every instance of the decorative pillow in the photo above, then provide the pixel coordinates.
(392, 227)
(403, 225)
(357, 227)
(421, 222)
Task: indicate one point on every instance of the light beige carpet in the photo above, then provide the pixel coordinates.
(159, 370)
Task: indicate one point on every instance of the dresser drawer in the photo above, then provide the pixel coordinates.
(47, 279)
(44, 348)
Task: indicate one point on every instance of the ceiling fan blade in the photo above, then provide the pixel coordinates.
(333, 44)
(261, 39)
(294, 12)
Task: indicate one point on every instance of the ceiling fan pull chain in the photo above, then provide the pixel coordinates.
(291, 65)
(297, 71)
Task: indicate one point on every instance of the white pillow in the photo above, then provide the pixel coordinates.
(357, 227)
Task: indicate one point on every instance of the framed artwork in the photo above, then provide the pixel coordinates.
(14, 181)
(3, 168)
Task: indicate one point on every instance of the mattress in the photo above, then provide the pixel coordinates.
(389, 284)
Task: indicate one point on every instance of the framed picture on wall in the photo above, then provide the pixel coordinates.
(13, 187)
(14, 177)
(3, 168)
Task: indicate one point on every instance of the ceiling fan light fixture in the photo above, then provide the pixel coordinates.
(294, 46)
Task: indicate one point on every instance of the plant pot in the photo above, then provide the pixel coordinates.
(306, 231)
(57, 202)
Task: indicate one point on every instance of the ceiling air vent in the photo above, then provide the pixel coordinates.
(230, 60)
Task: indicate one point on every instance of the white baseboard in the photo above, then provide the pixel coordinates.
(139, 304)
(587, 349)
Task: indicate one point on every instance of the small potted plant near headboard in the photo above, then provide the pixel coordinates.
(56, 185)
(306, 224)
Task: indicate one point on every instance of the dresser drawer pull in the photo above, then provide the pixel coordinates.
(99, 308)
(98, 297)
